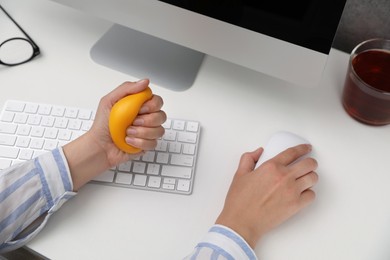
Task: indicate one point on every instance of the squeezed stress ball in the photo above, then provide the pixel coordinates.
(122, 116)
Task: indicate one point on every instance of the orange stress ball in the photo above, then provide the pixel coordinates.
(122, 116)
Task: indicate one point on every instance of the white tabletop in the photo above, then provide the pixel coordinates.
(238, 110)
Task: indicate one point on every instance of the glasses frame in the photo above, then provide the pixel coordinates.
(36, 50)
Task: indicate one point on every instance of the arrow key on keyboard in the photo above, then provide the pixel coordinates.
(183, 185)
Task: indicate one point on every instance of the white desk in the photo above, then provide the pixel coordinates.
(239, 110)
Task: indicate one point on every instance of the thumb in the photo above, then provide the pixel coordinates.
(248, 161)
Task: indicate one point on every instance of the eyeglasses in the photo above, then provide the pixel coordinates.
(17, 50)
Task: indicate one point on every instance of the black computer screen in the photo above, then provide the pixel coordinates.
(308, 23)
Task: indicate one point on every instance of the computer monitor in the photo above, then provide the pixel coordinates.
(166, 40)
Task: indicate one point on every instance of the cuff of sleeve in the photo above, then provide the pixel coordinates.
(56, 179)
(227, 240)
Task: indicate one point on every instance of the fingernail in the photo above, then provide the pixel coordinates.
(144, 110)
(138, 122)
(131, 131)
(130, 140)
(141, 81)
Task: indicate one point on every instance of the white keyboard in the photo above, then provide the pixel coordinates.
(29, 129)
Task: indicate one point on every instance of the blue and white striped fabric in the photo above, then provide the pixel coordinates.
(29, 190)
(222, 243)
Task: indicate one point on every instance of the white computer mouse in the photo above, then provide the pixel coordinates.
(279, 142)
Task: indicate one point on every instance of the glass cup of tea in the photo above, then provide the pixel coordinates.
(366, 95)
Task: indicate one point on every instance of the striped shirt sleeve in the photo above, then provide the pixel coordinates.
(222, 243)
(38, 187)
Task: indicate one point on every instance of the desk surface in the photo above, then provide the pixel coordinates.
(350, 218)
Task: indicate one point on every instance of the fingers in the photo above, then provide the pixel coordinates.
(143, 144)
(291, 154)
(307, 181)
(304, 166)
(306, 198)
(145, 132)
(151, 120)
(153, 105)
(248, 161)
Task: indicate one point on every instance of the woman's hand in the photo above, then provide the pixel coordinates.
(144, 132)
(261, 199)
(94, 152)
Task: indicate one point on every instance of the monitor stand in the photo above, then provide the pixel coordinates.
(143, 56)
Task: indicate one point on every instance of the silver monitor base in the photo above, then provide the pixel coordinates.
(143, 56)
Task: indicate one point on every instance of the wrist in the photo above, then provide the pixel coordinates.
(86, 159)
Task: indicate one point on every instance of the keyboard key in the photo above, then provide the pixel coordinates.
(8, 117)
(23, 141)
(174, 147)
(154, 182)
(161, 146)
(15, 106)
(9, 152)
(189, 149)
(7, 128)
(140, 180)
(61, 122)
(187, 137)
(44, 109)
(7, 140)
(168, 186)
(107, 176)
(149, 156)
(48, 121)
(86, 125)
(170, 181)
(21, 118)
(64, 135)
(75, 124)
(85, 114)
(24, 130)
(153, 169)
(167, 124)
(123, 178)
(139, 167)
(37, 131)
(183, 185)
(37, 143)
(71, 112)
(176, 171)
(51, 133)
(5, 163)
(192, 126)
(31, 108)
(182, 160)
(58, 111)
(162, 158)
(34, 119)
(50, 145)
(178, 125)
(25, 154)
(169, 135)
(125, 167)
